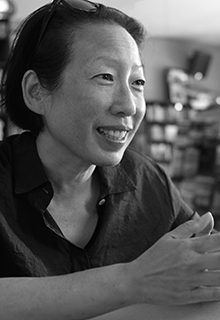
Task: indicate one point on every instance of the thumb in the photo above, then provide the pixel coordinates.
(208, 228)
(199, 225)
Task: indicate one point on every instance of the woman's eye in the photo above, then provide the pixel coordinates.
(139, 84)
(106, 76)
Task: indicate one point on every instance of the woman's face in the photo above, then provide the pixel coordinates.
(95, 113)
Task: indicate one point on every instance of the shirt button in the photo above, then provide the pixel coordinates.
(101, 202)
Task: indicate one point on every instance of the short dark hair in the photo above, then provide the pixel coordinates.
(52, 55)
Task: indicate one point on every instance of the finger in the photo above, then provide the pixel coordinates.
(205, 278)
(208, 228)
(209, 261)
(204, 294)
(191, 227)
(210, 279)
(206, 244)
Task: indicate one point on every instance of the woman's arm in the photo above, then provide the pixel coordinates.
(176, 270)
(79, 295)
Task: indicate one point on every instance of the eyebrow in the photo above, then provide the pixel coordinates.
(140, 66)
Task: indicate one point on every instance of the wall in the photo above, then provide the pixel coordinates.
(24, 7)
(161, 53)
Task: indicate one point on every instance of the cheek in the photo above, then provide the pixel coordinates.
(141, 110)
(86, 105)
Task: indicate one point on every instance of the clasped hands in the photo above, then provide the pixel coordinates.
(182, 267)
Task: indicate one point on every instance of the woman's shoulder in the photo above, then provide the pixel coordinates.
(136, 162)
(6, 147)
(10, 150)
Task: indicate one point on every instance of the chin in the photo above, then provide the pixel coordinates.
(110, 160)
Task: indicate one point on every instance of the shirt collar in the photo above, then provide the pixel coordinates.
(29, 172)
(115, 180)
(28, 169)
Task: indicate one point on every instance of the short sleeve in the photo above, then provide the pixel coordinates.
(182, 210)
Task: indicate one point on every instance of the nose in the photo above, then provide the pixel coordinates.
(124, 103)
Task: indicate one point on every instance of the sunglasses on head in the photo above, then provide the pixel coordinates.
(78, 5)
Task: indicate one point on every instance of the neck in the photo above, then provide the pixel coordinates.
(67, 173)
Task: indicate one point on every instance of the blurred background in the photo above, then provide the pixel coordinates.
(176, 29)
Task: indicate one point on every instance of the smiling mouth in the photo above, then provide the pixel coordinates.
(114, 135)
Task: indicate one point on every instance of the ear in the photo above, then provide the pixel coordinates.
(32, 92)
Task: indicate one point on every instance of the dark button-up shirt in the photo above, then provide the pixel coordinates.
(137, 205)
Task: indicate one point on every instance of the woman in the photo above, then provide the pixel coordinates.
(78, 211)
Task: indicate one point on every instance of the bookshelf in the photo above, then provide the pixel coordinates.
(196, 165)
(158, 132)
(186, 143)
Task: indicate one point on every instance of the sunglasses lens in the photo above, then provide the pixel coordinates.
(82, 5)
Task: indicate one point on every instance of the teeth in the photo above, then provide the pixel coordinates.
(116, 135)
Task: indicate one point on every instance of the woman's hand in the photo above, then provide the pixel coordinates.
(179, 268)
